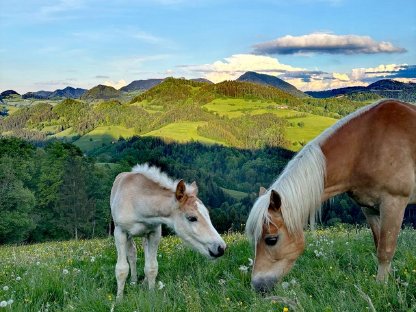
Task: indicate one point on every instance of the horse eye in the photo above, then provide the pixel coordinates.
(271, 241)
(192, 219)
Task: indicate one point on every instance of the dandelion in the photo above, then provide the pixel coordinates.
(285, 285)
(243, 268)
(6, 288)
(160, 285)
(10, 301)
(110, 297)
(250, 262)
(3, 304)
(293, 282)
(285, 309)
(92, 259)
(65, 271)
(18, 278)
(221, 281)
(37, 263)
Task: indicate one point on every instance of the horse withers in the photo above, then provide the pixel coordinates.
(144, 199)
(371, 155)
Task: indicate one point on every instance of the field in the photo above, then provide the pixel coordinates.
(182, 132)
(302, 128)
(336, 273)
(103, 135)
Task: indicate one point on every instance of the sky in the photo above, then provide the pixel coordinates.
(312, 44)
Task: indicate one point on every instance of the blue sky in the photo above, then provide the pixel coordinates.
(313, 44)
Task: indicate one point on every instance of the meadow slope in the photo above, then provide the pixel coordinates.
(336, 273)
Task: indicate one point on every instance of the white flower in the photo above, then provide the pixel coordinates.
(65, 271)
(160, 285)
(3, 304)
(92, 259)
(6, 288)
(293, 281)
(18, 278)
(285, 285)
(250, 262)
(37, 263)
(405, 284)
(243, 268)
(10, 301)
(221, 281)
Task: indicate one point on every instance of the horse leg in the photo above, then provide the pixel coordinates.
(373, 219)
(391, 218)
(132, 258)
(122, 267)
(150, 256)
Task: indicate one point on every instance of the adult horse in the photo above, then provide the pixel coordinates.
(371, 154)
(144, 199)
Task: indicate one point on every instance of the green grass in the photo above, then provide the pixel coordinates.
(79, 276)
(313, 125)
(102, 136)
(236, 194)
(182, 132)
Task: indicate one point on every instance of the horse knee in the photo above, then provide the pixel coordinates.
(122, 270)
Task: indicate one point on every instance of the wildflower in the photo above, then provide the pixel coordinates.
(37, 263)
(405, 284)
(3, 304)
(243, 268)
(285, 285)
(65, 271)
(285, 309)
(18, 278)
(110, 297)
(221, 281)
(160, 285)
(10, 301)
(250, 262)
(6, 288)
(92, 259)
(293, 282)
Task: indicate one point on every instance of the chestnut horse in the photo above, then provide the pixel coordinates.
(144, 199)
(371, 155)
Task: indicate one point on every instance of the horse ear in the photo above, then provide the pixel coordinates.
(262, 191)
(195, 187)
(275, 200)
(180, 190)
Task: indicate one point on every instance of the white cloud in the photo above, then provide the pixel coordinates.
(115, 84)
(380, 71)
(234, 66)
(326, 43)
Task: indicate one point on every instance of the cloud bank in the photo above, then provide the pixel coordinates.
(325, 43)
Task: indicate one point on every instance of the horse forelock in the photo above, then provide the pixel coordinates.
(156, 175)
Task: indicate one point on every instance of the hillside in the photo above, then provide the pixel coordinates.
(8, 93)
(385, 88)
(101, 92)
(68, 92)
(272, 81)
(231, 113)
(41, 95)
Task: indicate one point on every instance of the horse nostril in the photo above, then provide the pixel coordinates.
(220, 251)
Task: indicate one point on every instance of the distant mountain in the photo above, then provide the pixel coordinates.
(385, 88)
(8, 93)
(141, 85)
(202, 80)
(68, 92)
(101, 92)
(271, 81)
(40, 95)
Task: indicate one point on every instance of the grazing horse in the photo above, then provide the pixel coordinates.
(144, 199)
(371, 155)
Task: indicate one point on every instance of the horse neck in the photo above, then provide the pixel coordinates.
(341, 150)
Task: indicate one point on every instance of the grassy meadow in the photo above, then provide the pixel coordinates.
(336, 273)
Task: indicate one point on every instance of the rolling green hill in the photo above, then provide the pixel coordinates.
(232, 113)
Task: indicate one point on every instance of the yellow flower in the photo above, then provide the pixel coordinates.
(285, 309)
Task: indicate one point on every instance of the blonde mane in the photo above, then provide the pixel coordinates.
(300, 186)
(156, 175)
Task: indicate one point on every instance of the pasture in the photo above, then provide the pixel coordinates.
(336, 273)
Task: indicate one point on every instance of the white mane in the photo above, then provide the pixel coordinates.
(156, 175)
(300, 186)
